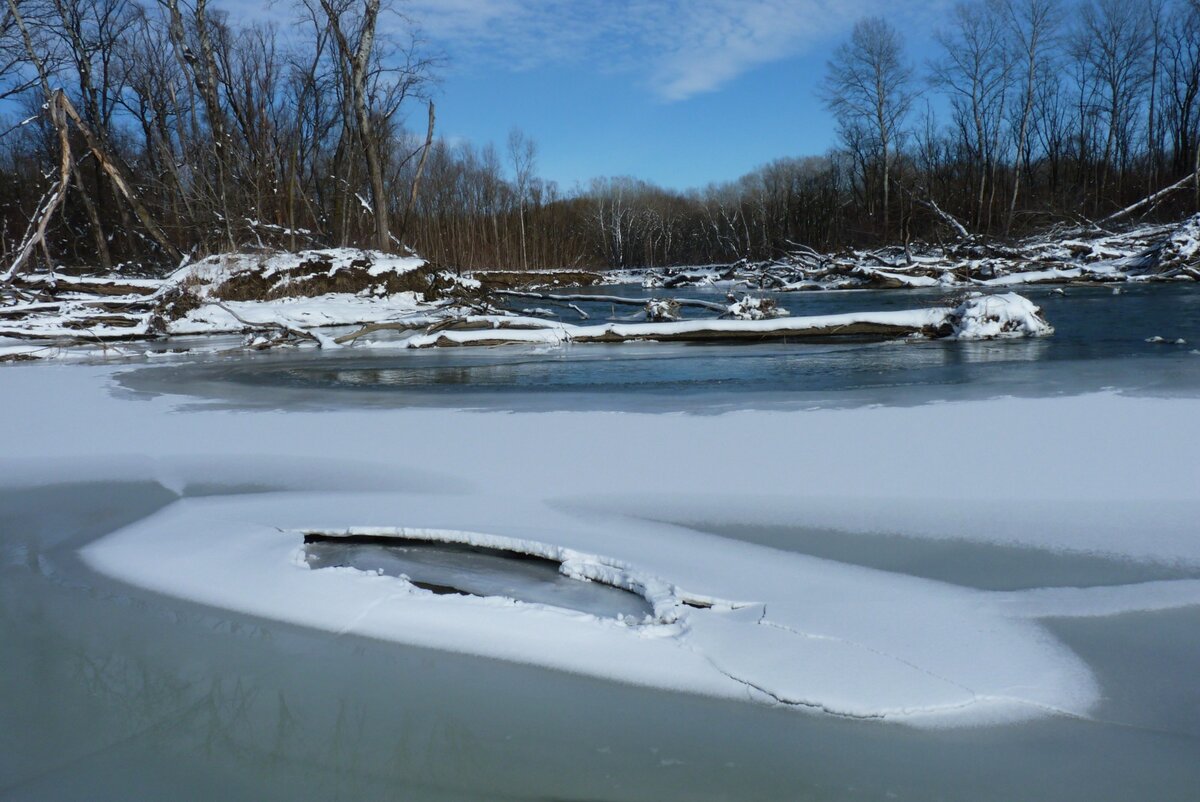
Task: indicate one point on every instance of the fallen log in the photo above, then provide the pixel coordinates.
(978, 316)
(883, 324)
(289, 331)
(1149, 199)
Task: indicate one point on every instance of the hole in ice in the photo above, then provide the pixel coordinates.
(468, 570)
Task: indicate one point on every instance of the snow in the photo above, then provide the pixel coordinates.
(902, 279)
(305, 313)
(1035, 277)
(751, 308)
(1074, 475)
(1183, 246)
(987, 317)
(214, 270)
(280, 283)
(1147, 252)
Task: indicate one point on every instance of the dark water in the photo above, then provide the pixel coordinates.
(451, 568)
(1099, 343)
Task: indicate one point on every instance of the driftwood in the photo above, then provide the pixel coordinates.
(371, 328)
(929, 203)
(1149, 199)
(289, 332)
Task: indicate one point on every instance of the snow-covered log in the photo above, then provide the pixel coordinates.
(977, 317)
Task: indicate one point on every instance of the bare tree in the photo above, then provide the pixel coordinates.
(868, 85)
(1031, 25)
(522, 152)
(976, 71)
(353, 32)
(1118, 35)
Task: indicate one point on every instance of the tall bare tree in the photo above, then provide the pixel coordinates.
(522, 152)
(976, 72)
(1031, 27)
(868, 85)
(352, 25)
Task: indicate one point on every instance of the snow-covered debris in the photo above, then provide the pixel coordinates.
(1182, 248)
(1148, 252)
(988, 317)
(662, 309)
(749, 308)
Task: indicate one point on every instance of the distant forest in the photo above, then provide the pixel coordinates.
(140, 132)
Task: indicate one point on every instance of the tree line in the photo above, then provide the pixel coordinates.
(145, 131)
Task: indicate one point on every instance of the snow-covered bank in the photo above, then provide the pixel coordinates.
(784, 628)
(295, 293)
(279, 302)
(1154, 252)
(229, 293)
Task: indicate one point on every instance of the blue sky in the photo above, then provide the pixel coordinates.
(679, 92)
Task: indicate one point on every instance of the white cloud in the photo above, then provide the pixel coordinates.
(676, 48)
(681, 48)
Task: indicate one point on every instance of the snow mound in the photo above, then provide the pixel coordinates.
(341, 285)
(989, 317)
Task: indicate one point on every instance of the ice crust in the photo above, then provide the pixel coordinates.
(785, 628)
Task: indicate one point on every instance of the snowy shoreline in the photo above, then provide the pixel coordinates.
(287, 299)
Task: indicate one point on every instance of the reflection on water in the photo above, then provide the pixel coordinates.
(1099, 343)
(108, 692)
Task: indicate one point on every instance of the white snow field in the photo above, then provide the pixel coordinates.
(623, 497)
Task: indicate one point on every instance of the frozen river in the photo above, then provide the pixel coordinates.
(1004, 530)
